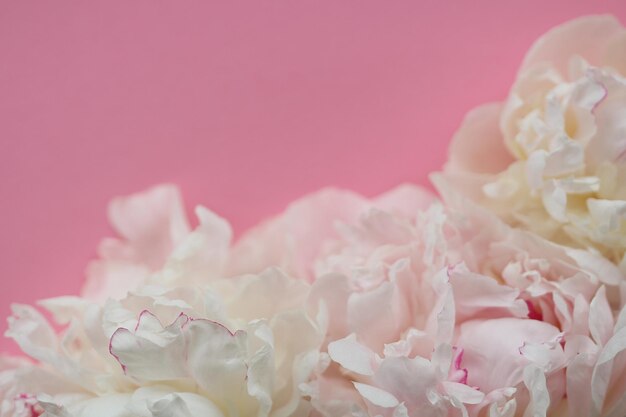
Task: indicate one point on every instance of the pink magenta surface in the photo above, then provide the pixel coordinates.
(245, 105)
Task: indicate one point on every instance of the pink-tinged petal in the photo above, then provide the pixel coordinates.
(535, 381)
(508, 409)
(496, 362)
(398, 376)
(580, 316)
(216, 361)
(151, 352)
(378, 316)
(602, 269)
(601, 318)
(441, 321)
(414, 342)
(442, 359)
(480, 130)
(463, 393)
(549, 356)
(476, 294)
(601, 376)
(352, 355)
(562, 310)
(330, 292)
(609, 142)
(588, 36)
(376, 396)
(499, 402)
(333, 395)
(578, 384)
(457, 373)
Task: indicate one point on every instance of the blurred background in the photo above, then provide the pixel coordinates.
(245, 105)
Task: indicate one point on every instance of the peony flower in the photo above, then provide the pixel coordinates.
(176, 322)
(486, 320)
(159, 331)
(551, 158)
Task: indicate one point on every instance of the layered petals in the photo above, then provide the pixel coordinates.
(563, 126)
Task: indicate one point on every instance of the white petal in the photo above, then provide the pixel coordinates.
(600, 318)
(151, 352)
(352, 355)
(463, 393)
(376, 396)
(602, 371)
(535, 381)
(554, 200)
(216, 359)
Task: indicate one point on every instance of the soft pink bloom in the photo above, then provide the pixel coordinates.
(462, 315)
(552, 157)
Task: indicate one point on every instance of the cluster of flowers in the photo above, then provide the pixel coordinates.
(502, 297)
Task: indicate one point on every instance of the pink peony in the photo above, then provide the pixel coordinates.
(495, 321)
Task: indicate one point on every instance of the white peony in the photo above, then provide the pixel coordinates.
(552, 159)
(159, 333)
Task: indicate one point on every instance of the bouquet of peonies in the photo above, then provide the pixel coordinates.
(503, 298)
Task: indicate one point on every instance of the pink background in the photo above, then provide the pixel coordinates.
(245, 106)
